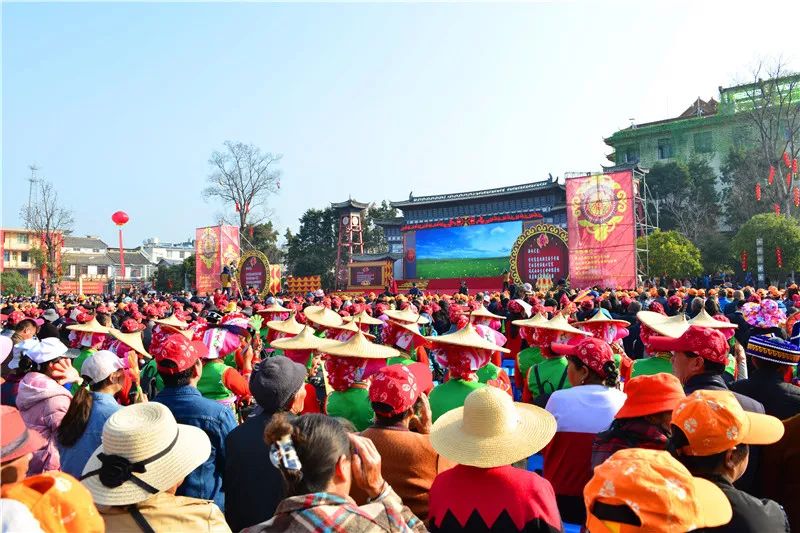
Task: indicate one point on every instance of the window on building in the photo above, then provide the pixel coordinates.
(22, 238)
(630, 154)
(96, 250)
(24, 257)
(76, 249)
(136, 272)
(84, 269)
(6, 255)
(664, 148)
(102, 271)
(702, 142)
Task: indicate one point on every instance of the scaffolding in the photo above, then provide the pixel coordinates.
(643, 227)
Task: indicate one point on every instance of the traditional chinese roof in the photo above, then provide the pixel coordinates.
(359, 258)
(132, 257)
(100, 259)
(349, 204)
(396, 221)
(84, 242)
(485, 193)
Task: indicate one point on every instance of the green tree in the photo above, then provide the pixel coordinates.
(264, 239)
(685, 196)
(12, 282)
(312, 251)
(715, 253)
(741, 170)
(374, 239)
(670, 254)
(190, 268)
(776, 231)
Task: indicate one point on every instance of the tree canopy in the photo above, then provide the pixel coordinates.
(264, 238)
(12, 282)
(777, 232)
(670, 254)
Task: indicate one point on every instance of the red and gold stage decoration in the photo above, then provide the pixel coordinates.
(303, 284)
(215, 247)
(367, 275)
(471, 221)
(602, 239)
(254, 271)
(540, 256)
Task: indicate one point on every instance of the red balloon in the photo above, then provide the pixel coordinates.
(120, 218)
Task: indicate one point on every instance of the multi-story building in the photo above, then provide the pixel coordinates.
(86, 266)
(709, 128)
(155, 250)
(138, 268)
(15, 253)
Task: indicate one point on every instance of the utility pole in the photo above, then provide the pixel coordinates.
(31, 181)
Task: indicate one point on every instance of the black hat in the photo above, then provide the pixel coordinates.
(275, 381)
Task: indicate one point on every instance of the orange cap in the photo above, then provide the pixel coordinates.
(648, 490)
(713, 422)
(648, 395)
(58, 501)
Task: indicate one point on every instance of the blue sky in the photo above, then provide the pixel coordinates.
(485, 240)
(122, 104)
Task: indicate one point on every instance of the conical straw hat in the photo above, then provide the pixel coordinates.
(359, 346)
(406, 315)
(704, 320)
(468, 337)
(93, 326)
(173, 321)
(669, 326)
(351, 326)
(289, 326)
(534, 322)
(601, 318)
(559, 323)
(491, 430)
(273, 308)
(134, 340)
(305, 340)
(482, 312)
(322, 316)
(364, 318)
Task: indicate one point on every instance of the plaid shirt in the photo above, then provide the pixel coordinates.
(327, 512)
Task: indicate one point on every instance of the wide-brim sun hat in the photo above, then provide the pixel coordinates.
(134, 340)
(491, 430)
(406, 315)
(364, 318)
(467, 337)
(93, 326)
(305, 340)
(138, 433)
(668, 326)
(351, 327)
(274, 307)
(600, 318)
(704, 320)
(290, 326)
(173, 321)
(359, 346)
(559, 323)
(533, 322)
(322, 316)
(482, 312)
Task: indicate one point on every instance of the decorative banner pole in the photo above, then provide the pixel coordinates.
(120, 218)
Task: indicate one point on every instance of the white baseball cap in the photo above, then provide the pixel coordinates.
(47, 350)
(100, 365)
(20, 349)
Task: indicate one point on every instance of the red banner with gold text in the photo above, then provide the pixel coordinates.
(216, 246)
(602, 234)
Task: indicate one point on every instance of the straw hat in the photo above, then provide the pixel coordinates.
(93, 326)
(482, 312)
(134, 340)
(535, 322)
(322, 316)
(305, 340)
(491, 430)
(289, 326)
(173, 321)
(467, 337)
(704, 320)
(406, 315)
(274, 307)
(364, 318)
(359, 346)
(559, 323)
(351, 326)
(601, 318)
(137, 434)
(669, 326)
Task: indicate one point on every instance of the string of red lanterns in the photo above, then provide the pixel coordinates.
(779, 256)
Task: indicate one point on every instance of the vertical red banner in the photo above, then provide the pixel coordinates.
(229, 245)
(215, 247)
(602, 234)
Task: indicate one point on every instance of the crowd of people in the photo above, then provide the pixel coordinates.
(660, 409)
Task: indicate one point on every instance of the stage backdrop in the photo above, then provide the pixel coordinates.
(255, 271)
(602, 236)
(215, 246)
(540, 256)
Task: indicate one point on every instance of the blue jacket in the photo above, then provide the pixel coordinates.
(75, 457)
(190, 408)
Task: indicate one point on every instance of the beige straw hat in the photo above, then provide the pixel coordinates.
(468, 337)
(559, 323)
(134, 340)
(322, 316)
(93, 326)
(290, 326)
(273, 308)
(537, 320)
(305, 340)
(172, 321)
(600, 318)
(139, 433)
(669, 326)
(704, 320)
(406, 315)
(359, 346)
(491, 430)
(482, 312)
(363, 318)
(351, 326)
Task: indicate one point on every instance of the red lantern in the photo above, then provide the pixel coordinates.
(771, 176)
(120, 218)
(788, 179)
(777, 208)
(758, 192)
(794, 166)
(237, 206)
(796, 197)
(786, 160)
(779, 256)
(744, 260)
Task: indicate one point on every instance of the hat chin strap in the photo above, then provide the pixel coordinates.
(116, 469)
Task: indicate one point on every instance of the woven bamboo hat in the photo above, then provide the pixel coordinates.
(172, 321)
(482, 312)
(601, 318)
(704, 320)
(146, 435)
(468, 337)
(351, 326)
(534, 322)
(363, 318)
(93, 326)
(491, 430)
(322, 316)
(669, 326)
(559, 323)
(305, 340)
(359, 346)
(290, 326)
(274, 307)
(134, 340)
(406, 315)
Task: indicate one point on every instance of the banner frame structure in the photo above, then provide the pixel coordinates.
(240, 270)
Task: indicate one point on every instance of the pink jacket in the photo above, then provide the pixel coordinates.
(43, 403)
